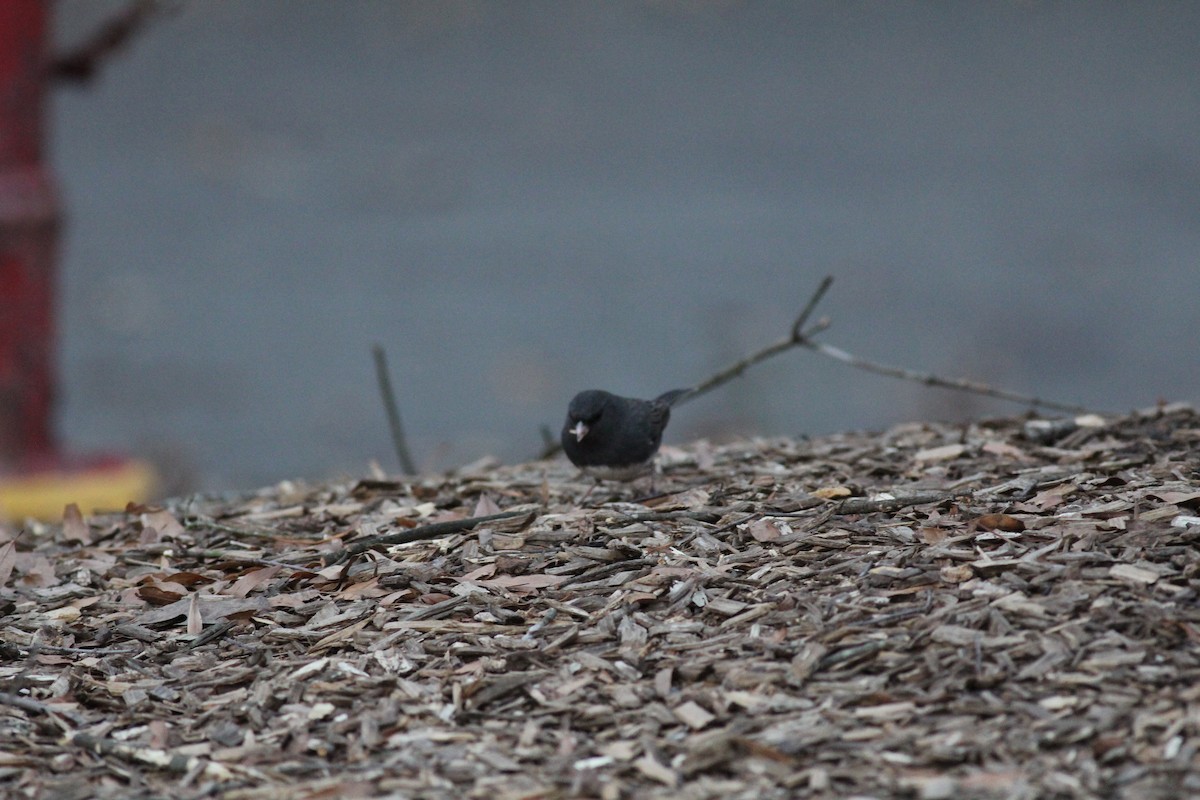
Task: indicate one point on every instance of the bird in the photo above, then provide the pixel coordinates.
(615, 438)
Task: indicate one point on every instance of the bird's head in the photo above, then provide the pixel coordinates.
(585, 411)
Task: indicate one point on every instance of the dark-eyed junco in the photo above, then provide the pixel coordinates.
(614, 437)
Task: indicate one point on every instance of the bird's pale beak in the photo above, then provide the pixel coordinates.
(580, 430)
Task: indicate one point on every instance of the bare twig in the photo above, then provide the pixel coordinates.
(798, 326)
(863, 505)
(434, 530)
(798, 336)
(929, 379)
(81, 64)
(804, 338)
(549, 443)
(393, 411)
(550, 446)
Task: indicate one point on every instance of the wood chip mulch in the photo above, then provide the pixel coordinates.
(1007, 609)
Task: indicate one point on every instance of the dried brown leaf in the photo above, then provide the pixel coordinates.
(485, 506)
(74, 528)
(1000, 522)
(164, 523)
(8, 560)
(767, 530)
(155, 595)
(252, 580)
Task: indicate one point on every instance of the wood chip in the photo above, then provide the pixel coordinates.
(693, 715)
(943, 453)
(651, 768)
(1128, 572)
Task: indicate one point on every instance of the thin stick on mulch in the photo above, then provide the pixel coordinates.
(392, 409)
(433, 530)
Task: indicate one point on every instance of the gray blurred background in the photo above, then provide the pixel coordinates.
(521, 200)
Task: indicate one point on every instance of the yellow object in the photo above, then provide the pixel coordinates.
(43, 495)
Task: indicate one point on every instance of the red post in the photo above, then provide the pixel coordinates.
(29, 224)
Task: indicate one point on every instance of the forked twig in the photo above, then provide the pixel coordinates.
(804, 338)
(799, 337)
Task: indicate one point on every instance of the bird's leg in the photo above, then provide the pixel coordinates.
(653, 488)
(588, 493)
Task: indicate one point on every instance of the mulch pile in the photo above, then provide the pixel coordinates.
(1006, 609)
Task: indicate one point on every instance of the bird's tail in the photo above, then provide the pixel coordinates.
(672, 397)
